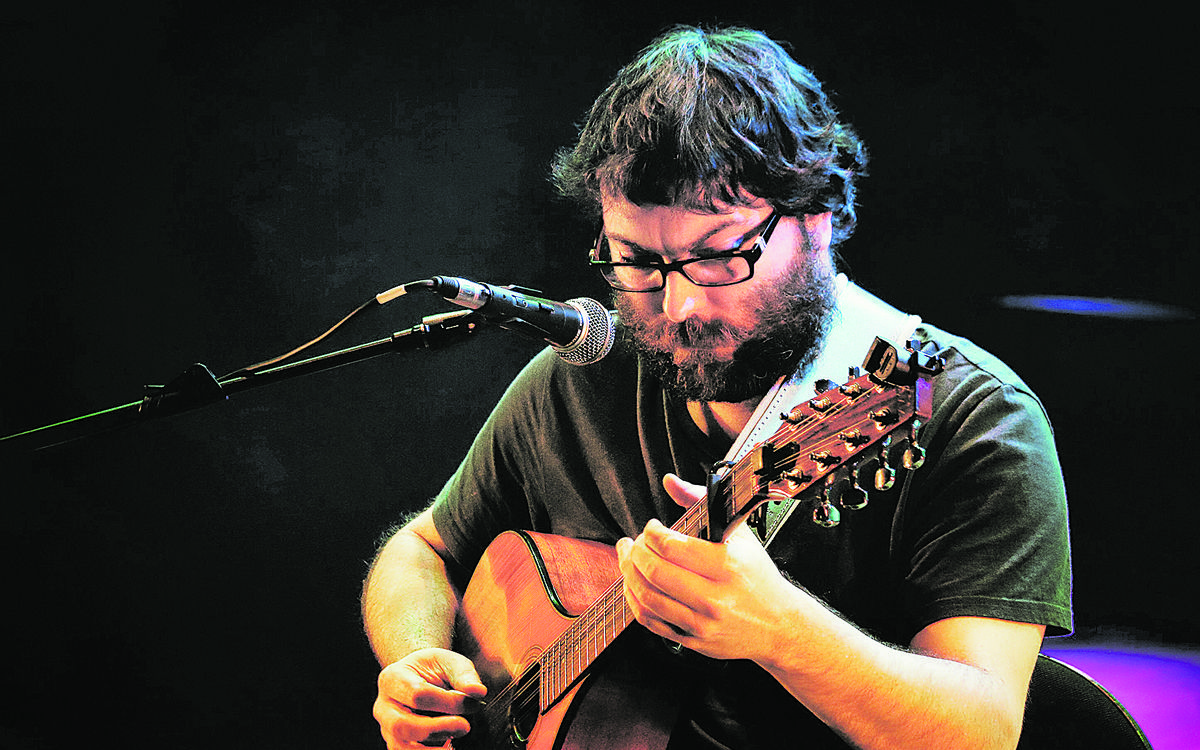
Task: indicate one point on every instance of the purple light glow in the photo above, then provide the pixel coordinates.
(1160, 689)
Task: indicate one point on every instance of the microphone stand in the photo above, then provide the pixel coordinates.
(196, 386)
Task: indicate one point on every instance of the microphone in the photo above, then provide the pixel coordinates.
(580, 330)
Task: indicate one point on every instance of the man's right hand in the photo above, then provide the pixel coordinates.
(424, 698)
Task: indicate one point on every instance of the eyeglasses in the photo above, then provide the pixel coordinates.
(722, 269)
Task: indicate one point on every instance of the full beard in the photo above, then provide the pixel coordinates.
(791, 321)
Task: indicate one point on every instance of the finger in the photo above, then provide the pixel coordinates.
(462, 677)
(623, 546)
(659, 613)
(470, 704)
(676, 594)
(401, 725)
(448, 669)
(640, 592)
(431, 699)
(688, 553)
(410, 687)
(683, 493)
(423, 728)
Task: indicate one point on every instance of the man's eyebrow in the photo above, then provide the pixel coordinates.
(697, 245)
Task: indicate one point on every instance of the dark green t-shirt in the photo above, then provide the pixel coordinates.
(980, 530)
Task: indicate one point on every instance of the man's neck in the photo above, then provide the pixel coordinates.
(716, 417)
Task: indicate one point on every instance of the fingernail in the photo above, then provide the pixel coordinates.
(473, 705)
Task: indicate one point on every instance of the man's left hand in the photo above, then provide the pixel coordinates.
(724, 600)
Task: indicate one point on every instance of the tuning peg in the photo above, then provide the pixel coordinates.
(820, 385)
(825, 458)
(885, 475)
(914, 454)
(853, 390)
(853, 438)
(821, 404)
(795, 477)
(884, 417)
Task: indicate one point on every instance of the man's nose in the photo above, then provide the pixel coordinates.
(681, 298)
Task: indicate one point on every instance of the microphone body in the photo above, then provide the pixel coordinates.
(580, 330)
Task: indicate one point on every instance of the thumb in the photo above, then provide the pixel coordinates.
(447, 669)
(463, 677)
(683, 493)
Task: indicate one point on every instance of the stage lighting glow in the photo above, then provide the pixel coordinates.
(1103, 307)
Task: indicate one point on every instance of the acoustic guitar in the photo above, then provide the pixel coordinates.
(540, 609)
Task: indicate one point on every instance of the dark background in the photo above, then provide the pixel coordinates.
(220, 182)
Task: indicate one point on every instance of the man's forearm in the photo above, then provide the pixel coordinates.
(878, 696)
(408, 602)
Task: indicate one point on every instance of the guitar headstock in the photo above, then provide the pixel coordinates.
(838, 445)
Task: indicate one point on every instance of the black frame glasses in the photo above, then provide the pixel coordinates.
(723, 269)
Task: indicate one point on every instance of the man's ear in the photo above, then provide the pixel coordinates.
(820, 230)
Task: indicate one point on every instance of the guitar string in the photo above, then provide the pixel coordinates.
(496, 710)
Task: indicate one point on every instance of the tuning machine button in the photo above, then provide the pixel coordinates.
(796, 415)
(825, 513)
(821, 404)
(853, 438)
(914, 454)
(855, 497)
(824, 458)
(852, 390)
(885, 475)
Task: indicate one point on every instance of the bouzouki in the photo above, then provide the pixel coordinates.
(534, 639)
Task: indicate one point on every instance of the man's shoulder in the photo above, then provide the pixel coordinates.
(964, 359)
(548, 376)
(972, 373)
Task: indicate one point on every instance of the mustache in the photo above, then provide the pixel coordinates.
(666, 336)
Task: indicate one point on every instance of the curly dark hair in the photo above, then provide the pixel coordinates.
(702, 117)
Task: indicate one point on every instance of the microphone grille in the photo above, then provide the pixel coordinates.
(595, 337)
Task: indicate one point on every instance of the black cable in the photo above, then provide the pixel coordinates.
(379, 299)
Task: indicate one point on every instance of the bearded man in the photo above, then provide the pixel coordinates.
(723, 181)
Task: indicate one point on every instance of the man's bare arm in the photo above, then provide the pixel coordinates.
(408, 607)
(408, 602)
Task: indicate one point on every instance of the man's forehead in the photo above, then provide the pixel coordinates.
(613, 202)
(676, 227)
